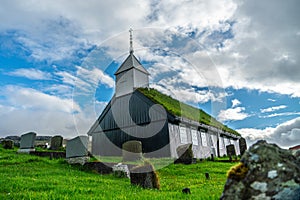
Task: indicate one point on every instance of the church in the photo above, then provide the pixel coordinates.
(159, 122)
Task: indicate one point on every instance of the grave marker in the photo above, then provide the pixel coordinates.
(56, 142)
(27, 142)
(132, 150)
(230, 150)
(243, 145)
(76, 150)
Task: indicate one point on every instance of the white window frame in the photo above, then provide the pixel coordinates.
(183, 134)
(203, 138)
(194, 136)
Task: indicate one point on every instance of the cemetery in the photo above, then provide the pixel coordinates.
(86, 177)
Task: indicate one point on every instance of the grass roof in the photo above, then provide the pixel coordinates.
(180, 109)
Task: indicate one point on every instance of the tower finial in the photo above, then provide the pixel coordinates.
(131, 47)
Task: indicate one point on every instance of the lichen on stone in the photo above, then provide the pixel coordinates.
(237, 172)
(261, 186)
(272, 174)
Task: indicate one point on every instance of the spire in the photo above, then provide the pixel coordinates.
(130, 39)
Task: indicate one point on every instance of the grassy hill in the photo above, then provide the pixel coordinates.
(178, 108)
(25, 176)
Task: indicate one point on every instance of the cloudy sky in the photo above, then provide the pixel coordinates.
(237, 60)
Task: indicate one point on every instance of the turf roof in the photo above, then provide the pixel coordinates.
(180, 109)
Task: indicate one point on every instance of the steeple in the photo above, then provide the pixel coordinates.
(130, 41)
(131, 74)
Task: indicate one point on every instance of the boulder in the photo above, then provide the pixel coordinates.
(265, 172)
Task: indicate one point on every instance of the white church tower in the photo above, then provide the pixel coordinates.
(131, 74)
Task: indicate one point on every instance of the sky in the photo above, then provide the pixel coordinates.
(237, 60)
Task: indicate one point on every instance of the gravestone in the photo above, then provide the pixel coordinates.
(56, 142)
(121, 170)
(230, 150)
(7, 144)
(132, 150)
(185, 154)
(265, 172)
(77, 150)
(144, 176)
(27, 142)
(242, 145)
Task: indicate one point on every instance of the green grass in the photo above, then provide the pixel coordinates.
(178, 108)
(25, 176)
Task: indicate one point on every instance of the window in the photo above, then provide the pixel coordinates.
(213, 141)
(203, 137)
(221, 143)
(183, 135)
(194, 137)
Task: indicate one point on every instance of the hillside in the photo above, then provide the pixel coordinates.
(25, 176)
(180, 109)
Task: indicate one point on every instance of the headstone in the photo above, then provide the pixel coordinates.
(185, 154)
(265, 172)
(207, 176)
(27, 142)
(212, 157)
(242, 145)
(132, 150)
(230, 150)
(144, 176)
(7, 144)
(76, 150)
(121, 171)
(56, 142)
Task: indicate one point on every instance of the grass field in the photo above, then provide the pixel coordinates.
(25, 176)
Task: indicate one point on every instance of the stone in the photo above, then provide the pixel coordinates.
(77, 150)
(186, 191)
(132, 150)
(27, 142)
(56, 142)
(242, 145)
(8, 144)
(99, 167)
(121, 171)
(207, 176)
(185, 154)
(144, 176)
(265, 172)
(230, 150)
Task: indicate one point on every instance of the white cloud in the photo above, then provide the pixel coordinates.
(286, 134)
(95, 76)
(280, 114)
(264, 53)
(272, 109)
(31, 99)
(30, 73)
(235, 102)
(27, 109)
(233, 114)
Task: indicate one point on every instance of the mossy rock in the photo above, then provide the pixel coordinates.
(145, 176)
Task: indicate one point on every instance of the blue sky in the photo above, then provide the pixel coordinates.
(236, 60)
